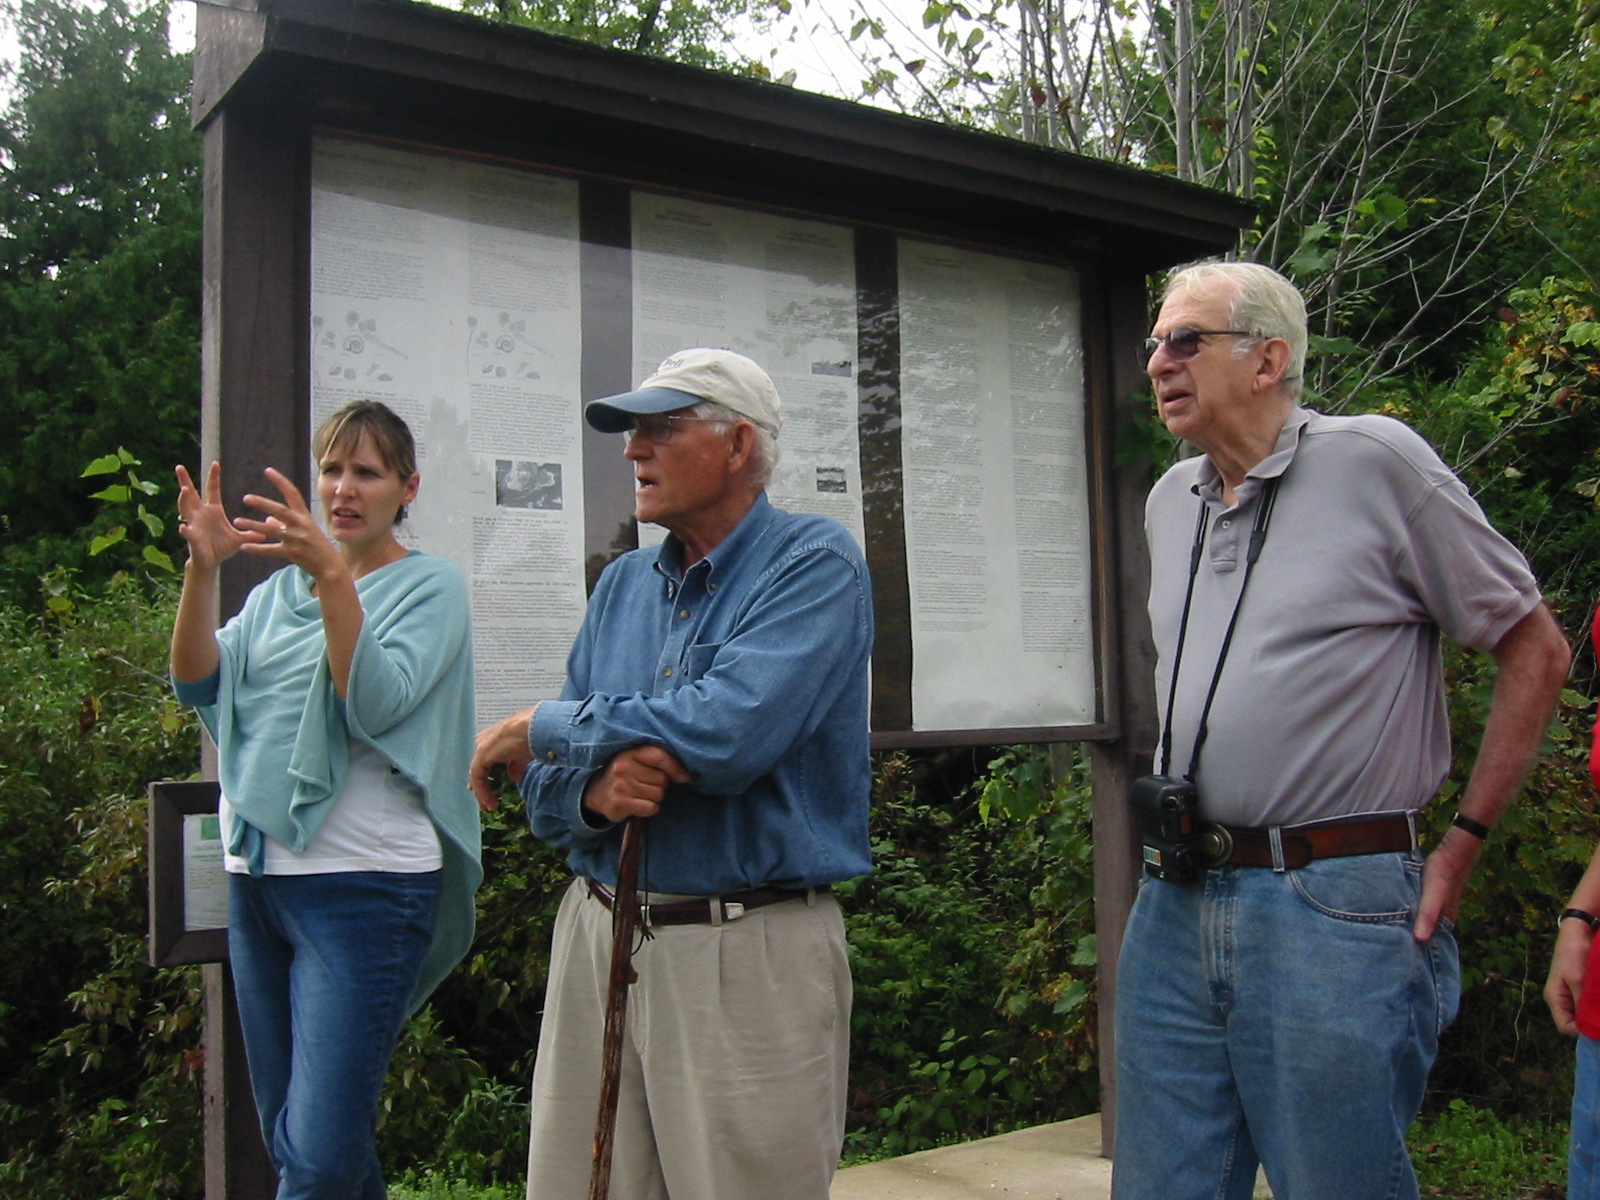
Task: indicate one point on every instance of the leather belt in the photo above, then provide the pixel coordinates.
(1234, 845)
(711, 910)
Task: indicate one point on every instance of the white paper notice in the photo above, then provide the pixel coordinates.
(779, 291)
(205, 883)
(996, 498)
(449, 290)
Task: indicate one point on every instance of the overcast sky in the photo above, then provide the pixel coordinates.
(812, 41)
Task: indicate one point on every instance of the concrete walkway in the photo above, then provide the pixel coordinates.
(1049, 1162)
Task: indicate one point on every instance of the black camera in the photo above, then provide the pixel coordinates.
(1168, 808)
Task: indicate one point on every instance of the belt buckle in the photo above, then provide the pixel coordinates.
(1216, 845)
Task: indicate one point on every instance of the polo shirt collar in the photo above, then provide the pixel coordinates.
(1208, 480)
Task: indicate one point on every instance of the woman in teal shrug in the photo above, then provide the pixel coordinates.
(340, 699)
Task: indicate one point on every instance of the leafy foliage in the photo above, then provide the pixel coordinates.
(1521, 425)
(99, 1054)
(436, 1186)
(99, 272)
(1410, 160)
(972, 950)
(456, 1100)
(972, 946)
(117, 497)
(1503, 1051)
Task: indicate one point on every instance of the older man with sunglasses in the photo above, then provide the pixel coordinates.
(717, 692)
(1291, 958)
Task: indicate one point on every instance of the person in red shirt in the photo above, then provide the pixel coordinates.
(1576, 1009)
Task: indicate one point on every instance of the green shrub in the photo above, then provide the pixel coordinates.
(1521, 425)
(971, 947)
(1503, 1050)
(99, 1054)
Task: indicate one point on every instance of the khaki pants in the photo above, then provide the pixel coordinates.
(733, 1067)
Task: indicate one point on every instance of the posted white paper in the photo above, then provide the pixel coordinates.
(780, 291)
(205, 883)
(449, 290)
(996, 496)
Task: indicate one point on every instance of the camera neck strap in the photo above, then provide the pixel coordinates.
(1258, 537)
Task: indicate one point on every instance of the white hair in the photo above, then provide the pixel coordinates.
(1264, 305)
(765, 457)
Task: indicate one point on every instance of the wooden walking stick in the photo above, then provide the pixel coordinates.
(625, 925)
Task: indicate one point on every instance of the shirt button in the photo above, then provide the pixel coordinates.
(672, 590)
(1226, 523)
(684, 613)
(550, 755)
(667, 673)
(711, 587)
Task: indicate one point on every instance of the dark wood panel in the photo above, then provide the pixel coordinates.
(605, 217)
(254, 347)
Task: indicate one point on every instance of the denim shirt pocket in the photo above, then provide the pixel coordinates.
(699, 659)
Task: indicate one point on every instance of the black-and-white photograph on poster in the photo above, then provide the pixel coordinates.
(519, 484)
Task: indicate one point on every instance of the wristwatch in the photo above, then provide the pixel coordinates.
(1588, 918)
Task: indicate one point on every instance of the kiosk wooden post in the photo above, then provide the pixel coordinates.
(237, 1167)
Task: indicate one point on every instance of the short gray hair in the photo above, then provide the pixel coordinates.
(766, 452)
(1264, 305)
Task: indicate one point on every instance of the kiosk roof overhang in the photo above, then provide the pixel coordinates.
(428, 75)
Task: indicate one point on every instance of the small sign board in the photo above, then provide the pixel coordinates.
(188, 886)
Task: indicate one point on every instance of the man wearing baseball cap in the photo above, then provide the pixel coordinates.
(717, 691)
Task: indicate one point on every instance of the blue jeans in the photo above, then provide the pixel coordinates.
(1583, 1159)
(324, 966)
(1280, 1018)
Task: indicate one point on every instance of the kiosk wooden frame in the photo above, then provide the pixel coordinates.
(270, 75)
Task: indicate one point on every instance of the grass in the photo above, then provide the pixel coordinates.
(1467, 1153)
(428, 1186)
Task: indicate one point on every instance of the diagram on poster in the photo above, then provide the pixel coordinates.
(449, 290)
(996, 498)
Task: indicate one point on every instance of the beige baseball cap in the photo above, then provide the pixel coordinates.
(688, 377)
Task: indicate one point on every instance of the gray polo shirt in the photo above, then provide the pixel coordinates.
(1331, 701)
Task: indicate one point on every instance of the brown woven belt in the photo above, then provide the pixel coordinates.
(1235, 846)
(712, 910)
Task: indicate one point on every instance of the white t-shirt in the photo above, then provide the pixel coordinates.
(377, 823)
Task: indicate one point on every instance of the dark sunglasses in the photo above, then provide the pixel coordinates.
(1183, 343)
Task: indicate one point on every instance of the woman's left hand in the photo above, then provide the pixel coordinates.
(291, 531)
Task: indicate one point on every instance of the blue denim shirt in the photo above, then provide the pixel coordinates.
(752, 670)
